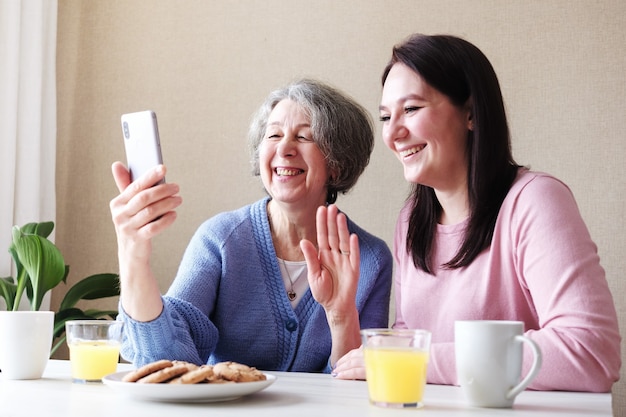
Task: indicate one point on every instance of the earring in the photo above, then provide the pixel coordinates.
(331, 196)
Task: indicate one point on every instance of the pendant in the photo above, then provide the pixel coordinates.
(291, 295)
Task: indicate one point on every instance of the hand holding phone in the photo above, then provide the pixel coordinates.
(142, 142)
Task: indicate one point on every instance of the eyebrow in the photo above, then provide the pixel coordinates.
(404, 99)
(279, 123)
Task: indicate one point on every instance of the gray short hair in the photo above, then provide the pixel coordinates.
(341, 128)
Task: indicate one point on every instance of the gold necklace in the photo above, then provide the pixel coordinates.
(291, 294)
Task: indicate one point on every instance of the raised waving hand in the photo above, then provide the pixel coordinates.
(333, 273)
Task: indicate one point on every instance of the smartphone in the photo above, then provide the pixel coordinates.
(142, 142)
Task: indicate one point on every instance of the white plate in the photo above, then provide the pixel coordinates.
(200, 393)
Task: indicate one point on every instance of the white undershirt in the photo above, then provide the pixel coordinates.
(299, 282)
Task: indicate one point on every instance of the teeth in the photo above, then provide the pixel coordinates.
(411, 151)
(288, 172)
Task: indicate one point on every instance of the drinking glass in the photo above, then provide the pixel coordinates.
(396, 361)
(94, 348)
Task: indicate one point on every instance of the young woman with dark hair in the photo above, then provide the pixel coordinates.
(481, 237)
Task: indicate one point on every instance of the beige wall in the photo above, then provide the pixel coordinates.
(204, 67)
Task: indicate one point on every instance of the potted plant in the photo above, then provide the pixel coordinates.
(40, 267)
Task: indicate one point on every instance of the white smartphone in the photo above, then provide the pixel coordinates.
(142, 142)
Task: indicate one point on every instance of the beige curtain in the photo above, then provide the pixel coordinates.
(27, 117)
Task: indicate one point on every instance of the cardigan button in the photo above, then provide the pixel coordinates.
(291, 325)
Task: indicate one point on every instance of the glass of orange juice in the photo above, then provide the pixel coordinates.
(94, 348)
(395, 366)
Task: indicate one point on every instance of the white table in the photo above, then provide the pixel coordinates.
(293, 394)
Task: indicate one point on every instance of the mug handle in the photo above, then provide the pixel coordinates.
(534, 369)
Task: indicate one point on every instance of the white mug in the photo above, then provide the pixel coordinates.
(489, 361)
(25, 343)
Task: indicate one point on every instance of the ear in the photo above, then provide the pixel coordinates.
(333, 176)
(470, 114)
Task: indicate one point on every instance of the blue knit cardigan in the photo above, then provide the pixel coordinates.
(228, 301)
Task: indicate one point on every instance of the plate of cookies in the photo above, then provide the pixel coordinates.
(179, 381)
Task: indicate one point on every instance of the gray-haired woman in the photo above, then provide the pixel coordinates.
(244, 291)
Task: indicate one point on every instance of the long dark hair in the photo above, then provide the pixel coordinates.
(462, 72)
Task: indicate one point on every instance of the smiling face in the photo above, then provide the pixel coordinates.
(425, 130)
(292, 167)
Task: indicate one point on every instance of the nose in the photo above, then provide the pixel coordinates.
(287, 145)
(394, 130)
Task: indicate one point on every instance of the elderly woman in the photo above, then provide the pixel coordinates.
(244, 291)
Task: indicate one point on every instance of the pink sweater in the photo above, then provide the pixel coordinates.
(542, 268)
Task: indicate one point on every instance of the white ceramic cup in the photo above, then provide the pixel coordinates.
(489, 361)
(25, 343)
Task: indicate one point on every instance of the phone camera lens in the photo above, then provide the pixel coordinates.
(126, 132)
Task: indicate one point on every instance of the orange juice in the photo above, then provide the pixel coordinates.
(395, 375)
(92, 360)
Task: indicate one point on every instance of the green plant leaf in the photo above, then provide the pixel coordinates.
(16, 258)
(64, 315)
(21, 281)
(43, 229)
(43, 263)
(40, 267)
(59, 325)
(101, 313)
(8, 290)
(67, 272)
(91, 288)
(57, 345)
